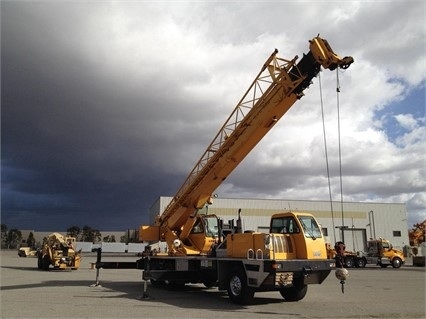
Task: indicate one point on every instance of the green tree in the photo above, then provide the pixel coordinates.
(97, 236)
(31, 240)
(4, 235)
(14, 238)
(109, 239)
(74, 231)
(91, 235)
(124, 238)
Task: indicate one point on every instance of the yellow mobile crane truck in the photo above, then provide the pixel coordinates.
(288, 258)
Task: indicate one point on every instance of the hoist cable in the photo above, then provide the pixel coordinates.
(340, 151)
(326, 157)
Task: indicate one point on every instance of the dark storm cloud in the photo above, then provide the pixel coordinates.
(75, 147)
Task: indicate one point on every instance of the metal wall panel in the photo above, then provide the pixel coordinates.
(382, 222)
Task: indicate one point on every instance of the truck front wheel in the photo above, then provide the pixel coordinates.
(295, 293)
(238, 291)
(39, 261)
(396, 262)
(45, 262)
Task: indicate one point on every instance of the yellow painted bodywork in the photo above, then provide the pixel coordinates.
(306, 247)
(260, 246)
(149, 233)
(239, 245)
(278, 246)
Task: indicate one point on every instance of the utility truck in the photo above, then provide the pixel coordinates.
(380, 252)
(199, 250)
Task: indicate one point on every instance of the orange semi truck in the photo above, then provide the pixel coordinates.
(379, 252)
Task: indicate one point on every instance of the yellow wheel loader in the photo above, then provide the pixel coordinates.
(60, 252)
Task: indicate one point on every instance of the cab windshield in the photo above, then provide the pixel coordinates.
(211, 226)
(310, 227)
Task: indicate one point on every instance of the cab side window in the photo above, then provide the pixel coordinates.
(198, 227)
(285, 225)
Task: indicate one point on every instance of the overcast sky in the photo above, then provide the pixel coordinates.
(108, 105)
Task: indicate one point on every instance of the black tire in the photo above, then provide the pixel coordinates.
(349, 262)
(295, 293)
(45, 262)
(360, 263)
(383, 265)
(39, 261)
(238, 291)
(396, 262)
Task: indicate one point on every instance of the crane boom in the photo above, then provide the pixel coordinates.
(279, 84)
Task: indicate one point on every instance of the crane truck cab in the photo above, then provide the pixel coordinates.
(305, 231)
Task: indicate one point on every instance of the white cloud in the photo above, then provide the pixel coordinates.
(407, 121)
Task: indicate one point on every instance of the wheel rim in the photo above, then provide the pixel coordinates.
(235, 285)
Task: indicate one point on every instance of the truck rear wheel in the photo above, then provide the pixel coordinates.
(349, 262)
(396, 262)
(295, 293)
(361, 262)
(238, 291)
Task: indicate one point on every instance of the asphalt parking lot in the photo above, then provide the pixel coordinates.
(27, 292)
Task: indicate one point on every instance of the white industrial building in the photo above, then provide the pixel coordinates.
(360, 221)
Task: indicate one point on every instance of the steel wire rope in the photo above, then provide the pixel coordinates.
(326, 157)
(340, 151)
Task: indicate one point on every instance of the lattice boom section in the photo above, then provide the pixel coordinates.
(274, 72)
